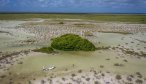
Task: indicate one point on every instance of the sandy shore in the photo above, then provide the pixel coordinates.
(19, 65)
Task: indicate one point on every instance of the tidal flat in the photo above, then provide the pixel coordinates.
(120, 57)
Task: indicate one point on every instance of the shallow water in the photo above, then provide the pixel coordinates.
(82, 60)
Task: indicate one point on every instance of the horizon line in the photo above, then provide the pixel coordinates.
(67, 13)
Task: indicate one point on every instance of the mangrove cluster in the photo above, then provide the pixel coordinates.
(72, 42)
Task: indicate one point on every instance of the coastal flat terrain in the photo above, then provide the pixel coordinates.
(134, 18)
(120, 57)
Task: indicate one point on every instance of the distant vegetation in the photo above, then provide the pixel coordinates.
(71, 42)
(97, 17)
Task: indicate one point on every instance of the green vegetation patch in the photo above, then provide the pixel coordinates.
(71, 42)
(132, 18)
(45, 50)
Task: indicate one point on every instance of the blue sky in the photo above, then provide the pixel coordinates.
(81, 6)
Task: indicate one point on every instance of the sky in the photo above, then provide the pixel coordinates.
(74, 6)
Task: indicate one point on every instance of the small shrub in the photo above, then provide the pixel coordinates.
(69, 83)
(131, 76)
(138, 81)
(20, 62)
(80, 71)
(66, 69)
(125, 60)
(3, 76)
(73, 75)
(138, 73)
(63, 79)
(118, 77)
(129, 79)
(43, 82)
(117, 64)
(45, 50)
(103, 74)
(71, 42)
(101, 66)
(29, 82)
(87, 79)
(96, 82)
(107, 59)
(61, 22)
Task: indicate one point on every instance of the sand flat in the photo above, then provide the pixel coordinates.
(28, 67)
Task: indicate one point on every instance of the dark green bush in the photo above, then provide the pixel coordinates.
(71, 42)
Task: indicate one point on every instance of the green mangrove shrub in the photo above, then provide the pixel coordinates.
(72, 42)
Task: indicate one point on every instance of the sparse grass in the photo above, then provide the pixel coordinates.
(88, 33)
(141, 40)
(124, 33)
(102, 48)
(45, 50)
(97, 17)
(131, 52)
